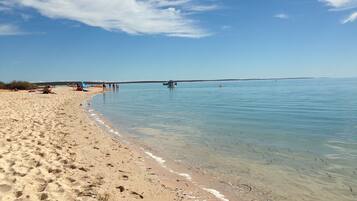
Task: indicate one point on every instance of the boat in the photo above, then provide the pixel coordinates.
(170, 84)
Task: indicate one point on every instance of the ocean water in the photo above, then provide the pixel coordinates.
(254, 140)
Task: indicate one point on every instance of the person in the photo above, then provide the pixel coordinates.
(79, 87)
(47, 90)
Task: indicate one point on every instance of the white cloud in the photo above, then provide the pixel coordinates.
(282, 16)
(165, 3)
(25, 17)
(350, 18)
(3, 8)
(226, 27)
(340, 4)
(167, 17)
(10, 30)
(203, 8)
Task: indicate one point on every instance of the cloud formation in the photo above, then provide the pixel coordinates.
(282, 16)
(10, 30)
(166, 17)
(340, 4)
(350, 18)
(202, 8)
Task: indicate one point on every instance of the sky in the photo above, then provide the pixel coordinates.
(121, 40)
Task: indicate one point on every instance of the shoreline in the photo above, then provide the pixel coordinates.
(52, 150)
(250, 180)
(165, 170)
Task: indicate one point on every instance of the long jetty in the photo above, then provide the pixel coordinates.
(161, 81)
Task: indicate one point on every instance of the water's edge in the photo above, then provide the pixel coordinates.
(166, 164)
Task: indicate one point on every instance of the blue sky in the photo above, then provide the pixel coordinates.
(176, 39)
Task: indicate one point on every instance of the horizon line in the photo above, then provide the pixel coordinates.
(163, 81)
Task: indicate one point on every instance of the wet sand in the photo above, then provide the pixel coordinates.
(50, 149)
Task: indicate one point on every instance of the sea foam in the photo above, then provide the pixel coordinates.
(216, 193)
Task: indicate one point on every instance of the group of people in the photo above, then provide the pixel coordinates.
(111, 86)
(78, 87)
(81, 87)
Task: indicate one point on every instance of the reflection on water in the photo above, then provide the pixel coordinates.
(104, 95)
(287, 140)
(114, 88)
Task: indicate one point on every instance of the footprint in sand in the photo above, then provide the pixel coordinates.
(54, 171)
(42, 187)
(121, 188)
(43, 196)
(70, 179)
(137, 195)
(72, 166)
(4, 188)
(125, 177)
(244, 188)
(41, 154)
(83, 169)
(18, 194)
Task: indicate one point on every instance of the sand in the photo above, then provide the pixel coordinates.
(50, 149)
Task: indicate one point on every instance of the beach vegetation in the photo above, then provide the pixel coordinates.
(17, 85)
(2, 85)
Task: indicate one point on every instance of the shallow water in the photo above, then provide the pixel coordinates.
(277, 140)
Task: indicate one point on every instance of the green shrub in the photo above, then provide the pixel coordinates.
(2, 85)
(20, 85)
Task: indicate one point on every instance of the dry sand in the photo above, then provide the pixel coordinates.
(51, 150)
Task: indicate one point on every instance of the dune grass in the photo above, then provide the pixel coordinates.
(2, 85)
(17, 85)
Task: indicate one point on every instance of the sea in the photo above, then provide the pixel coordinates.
(260, 140)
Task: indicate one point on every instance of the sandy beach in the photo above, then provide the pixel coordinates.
(50, 149)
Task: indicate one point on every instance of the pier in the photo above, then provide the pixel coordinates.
(169, 83)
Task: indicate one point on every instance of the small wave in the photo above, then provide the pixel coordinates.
(345, 149)
(334, 156)
(337, 148)
(341, 142)
(99, 120)
(113, 131)
(117, 133)
(335, 167)
(161, 161)
(216, 193)
(187, 176)
(156, 158)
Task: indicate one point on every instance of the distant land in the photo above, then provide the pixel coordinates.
(164, 81)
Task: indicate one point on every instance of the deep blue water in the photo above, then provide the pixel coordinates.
(308, 126)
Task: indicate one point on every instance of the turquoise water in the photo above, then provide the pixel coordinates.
(287, 139)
